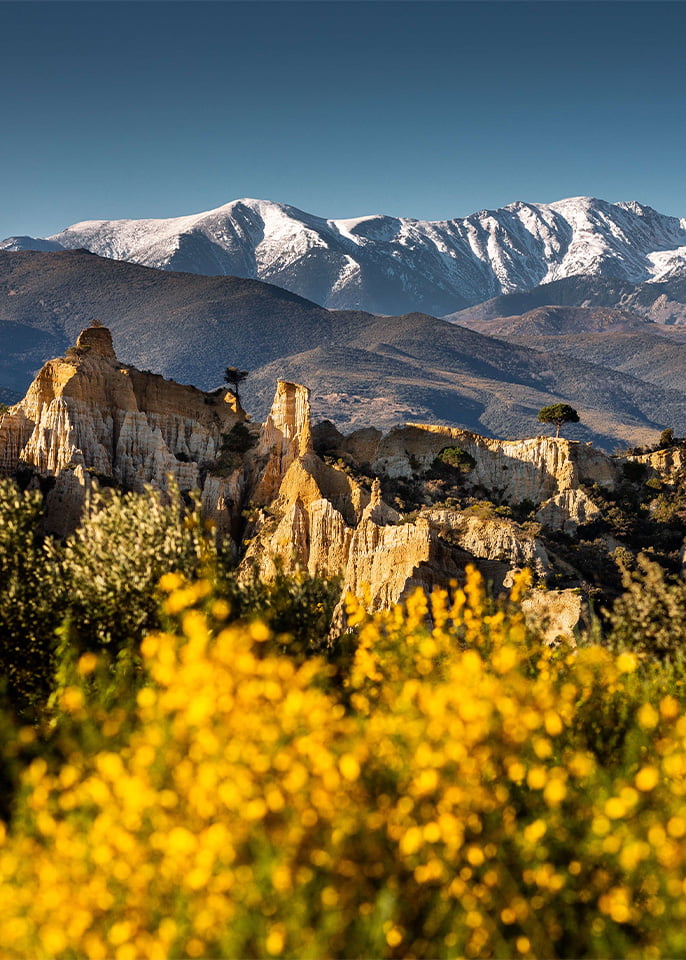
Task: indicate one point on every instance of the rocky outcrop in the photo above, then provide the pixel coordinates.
(374, 560)
(555, 613)
(567, 511)
(515, 470)
(322, 520)
(492, 539)
(86, 415)
(315, 525)
(285, 438)
(386, 563)
(317, 519)
(664, 462)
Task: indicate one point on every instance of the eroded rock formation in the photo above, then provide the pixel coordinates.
(314, 497)
(330, 519)
(86, 415)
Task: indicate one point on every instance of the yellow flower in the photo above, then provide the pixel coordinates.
(170, 582)
(676, 826)
(87, 664)
(646, 779)
(554, 793)
(72, 699)
(537, 778)
(627, 662)
(349, 766)
(259, 631)
(553, 723)
(669, 708)
(276, 940)
(615, 808)
(648, 717)
(411, 840)
(534, 831)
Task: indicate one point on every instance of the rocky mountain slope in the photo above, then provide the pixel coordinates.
(362, 368)
(614, 339)
(384, 512)
(396, 265)
(660, 302)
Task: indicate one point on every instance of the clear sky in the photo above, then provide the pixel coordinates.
(423, 109)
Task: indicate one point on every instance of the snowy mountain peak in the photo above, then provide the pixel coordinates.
(393, 264)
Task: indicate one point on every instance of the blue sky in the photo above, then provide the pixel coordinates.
(430, 110)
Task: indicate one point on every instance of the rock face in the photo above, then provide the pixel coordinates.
(555, 612)
(515, 470)
(285, 437)
(567, 510)
(86, 415)
(493, 539)
(318, 519)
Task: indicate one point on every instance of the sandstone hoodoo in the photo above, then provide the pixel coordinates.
(384, 513)
(87, 416)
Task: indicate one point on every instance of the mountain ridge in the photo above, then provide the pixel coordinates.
(396, 265)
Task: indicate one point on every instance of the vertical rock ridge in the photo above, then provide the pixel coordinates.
(285, 437)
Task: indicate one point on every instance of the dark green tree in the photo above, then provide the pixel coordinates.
(667, 439)
(558, 413)
(233, 377)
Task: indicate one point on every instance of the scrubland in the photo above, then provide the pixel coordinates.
(192, 768)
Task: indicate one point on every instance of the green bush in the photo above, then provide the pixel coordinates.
(98, 591)
(457, 458)
(101, 582)
(650, 616)
(28, 612)
(110, 566)
(235, 443)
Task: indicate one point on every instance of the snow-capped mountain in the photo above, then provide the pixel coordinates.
(395, 265)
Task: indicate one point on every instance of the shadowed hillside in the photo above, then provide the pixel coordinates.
(361, 368)
(663, 302)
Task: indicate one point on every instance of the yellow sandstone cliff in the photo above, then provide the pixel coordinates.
(87, 416)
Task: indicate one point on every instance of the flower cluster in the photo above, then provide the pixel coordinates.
(467, 792)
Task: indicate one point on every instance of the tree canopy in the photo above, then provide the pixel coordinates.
(558, 413)
(233, 377)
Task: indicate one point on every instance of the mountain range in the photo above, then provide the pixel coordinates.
(394, 265)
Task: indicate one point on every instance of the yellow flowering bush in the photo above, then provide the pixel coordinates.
(452, 799)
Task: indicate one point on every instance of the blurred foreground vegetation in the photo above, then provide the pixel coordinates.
(191, 769)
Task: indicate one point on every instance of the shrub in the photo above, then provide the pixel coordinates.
(28, 614)
(667, 439)
(457, 806)
(101, 583)
(650, 616)
(235, 443)
(111, 564)
(457, 458)
(633, 471)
